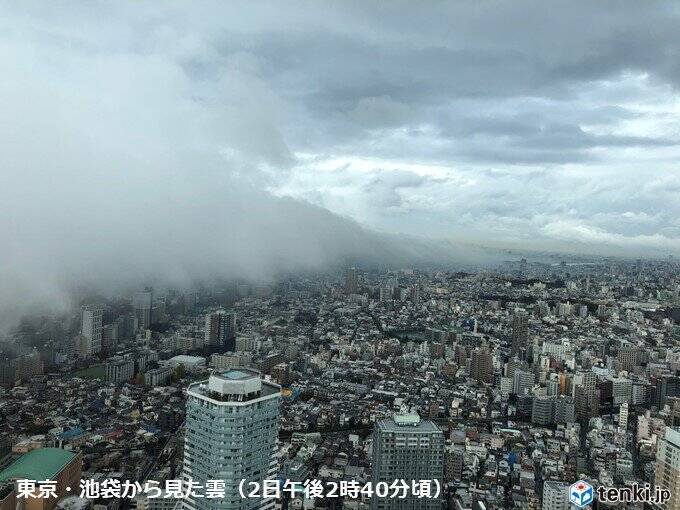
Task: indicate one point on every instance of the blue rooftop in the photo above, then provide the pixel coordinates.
(71, 433)
(237, 374)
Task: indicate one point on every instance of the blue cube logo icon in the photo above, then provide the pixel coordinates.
(581, 493)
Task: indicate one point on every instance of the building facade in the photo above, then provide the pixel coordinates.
(555, 496)
(92, 329)
(142, 302)
(520, 333)
(232, 424)
(61, 466)
(409, 448)
(120, 370)
(220, 330)
(667, 473)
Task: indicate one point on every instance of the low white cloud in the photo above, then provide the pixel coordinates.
(179, 141)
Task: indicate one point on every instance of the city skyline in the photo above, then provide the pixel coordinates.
(356, 255)
(523, 386)
(189, 142)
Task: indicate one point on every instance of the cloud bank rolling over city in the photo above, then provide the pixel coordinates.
(186, 140)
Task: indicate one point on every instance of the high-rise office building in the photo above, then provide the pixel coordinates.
(409, 448)
(628, 357)
(667, 475)
(513, 365)
(220, 330)
(666, 386)
(622, 390)
(454, 459)
(212, 329)
(481, 365)
(91, 329)
(142, 302)
(523, 382)
(555, 495)
(228, 331)
(564, 409)
(110, 336)
(352, 281)
(552, 387)
(586, 399)
(120, 370)
(232, 425)
(543, 410)
(520, 333)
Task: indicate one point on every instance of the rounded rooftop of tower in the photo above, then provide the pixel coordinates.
(237, 381)
(235, 385)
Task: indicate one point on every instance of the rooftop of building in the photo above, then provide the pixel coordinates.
(672, 435)
(235, 385)
(239, 375)
(40, 464)
(184, 358)
(407, 422)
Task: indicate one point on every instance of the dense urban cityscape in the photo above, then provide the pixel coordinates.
(339, 255)
(505, 385)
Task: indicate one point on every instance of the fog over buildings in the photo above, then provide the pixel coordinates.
(184, 141)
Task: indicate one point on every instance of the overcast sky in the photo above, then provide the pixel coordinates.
(143, 136)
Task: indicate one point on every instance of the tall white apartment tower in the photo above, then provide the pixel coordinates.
(232, 426)
(91, 329)
(667, 473)
(623, 416)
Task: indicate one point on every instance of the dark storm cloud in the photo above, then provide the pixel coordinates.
(165, 140)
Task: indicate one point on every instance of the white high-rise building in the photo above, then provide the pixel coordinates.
(523, 382)
(91, 329)
(555, 495)
(667, 474)
(623, 416)
(232, 426)
(120, 370)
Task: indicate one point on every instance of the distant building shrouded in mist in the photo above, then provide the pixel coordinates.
(415, 294)
(220, 330)
(91, 330)
(142, 302)
(352, 281)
